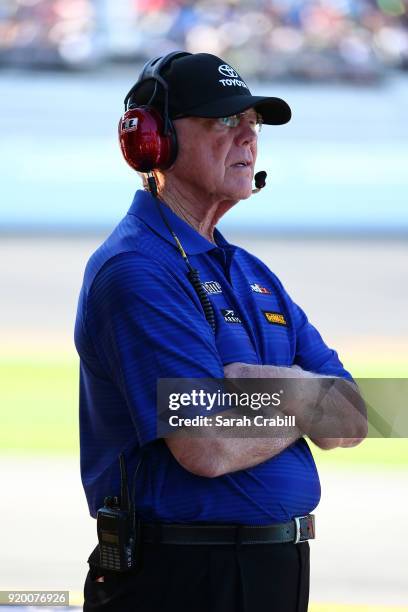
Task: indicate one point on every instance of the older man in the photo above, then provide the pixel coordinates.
(225, 522)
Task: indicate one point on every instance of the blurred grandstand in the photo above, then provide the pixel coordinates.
(357, 40)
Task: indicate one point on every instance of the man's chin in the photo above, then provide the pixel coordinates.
(234, 198)
(241, 192)
(246, 193)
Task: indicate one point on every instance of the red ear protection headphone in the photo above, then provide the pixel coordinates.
(147, 138)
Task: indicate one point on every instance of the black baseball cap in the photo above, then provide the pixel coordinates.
(204, 85)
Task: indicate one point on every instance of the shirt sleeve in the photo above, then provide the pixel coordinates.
(311, 352)
(146, 323)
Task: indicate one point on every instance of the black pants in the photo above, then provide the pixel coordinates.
(203, 578)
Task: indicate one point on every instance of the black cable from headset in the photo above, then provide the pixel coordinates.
(193, 273)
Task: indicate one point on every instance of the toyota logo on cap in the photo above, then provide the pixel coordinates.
(227, 71)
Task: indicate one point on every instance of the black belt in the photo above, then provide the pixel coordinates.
(300, 529)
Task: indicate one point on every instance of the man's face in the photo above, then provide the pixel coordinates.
(216, 158)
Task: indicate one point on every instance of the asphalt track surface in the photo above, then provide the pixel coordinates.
(353, 290)
(359, 556)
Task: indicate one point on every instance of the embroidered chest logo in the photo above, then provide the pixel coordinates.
(258, 289)
(212, 287)
(230, 316)
(275, 318)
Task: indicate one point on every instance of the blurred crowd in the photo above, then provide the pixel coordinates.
(359, 40)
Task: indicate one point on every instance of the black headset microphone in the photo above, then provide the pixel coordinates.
(260, 181)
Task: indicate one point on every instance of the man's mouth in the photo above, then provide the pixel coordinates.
(242, 164)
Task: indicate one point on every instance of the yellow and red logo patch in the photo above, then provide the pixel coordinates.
(275, 318)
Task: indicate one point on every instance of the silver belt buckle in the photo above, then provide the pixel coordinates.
(310, 528)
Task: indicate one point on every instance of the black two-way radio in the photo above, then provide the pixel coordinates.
(118, 531)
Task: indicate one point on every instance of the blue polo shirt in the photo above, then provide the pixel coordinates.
(139, 319)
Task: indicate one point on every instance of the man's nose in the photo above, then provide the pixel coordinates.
(246, 133)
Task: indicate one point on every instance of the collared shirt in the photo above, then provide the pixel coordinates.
(139, 319)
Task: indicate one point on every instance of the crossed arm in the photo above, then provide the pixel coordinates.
(340, 410)
(127, 300)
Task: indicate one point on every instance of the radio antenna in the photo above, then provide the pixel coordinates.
(124, 489)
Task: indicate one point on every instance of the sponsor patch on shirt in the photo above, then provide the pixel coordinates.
(212, 287)
(230, 316)
(258, 289)
(275, 318)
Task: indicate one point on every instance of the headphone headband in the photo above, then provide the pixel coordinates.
(154, 68)
(152, 71)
